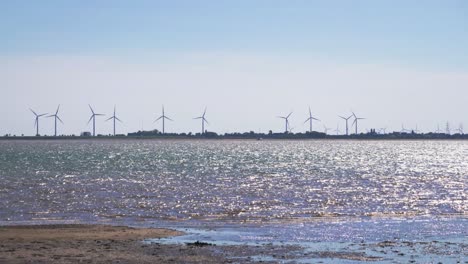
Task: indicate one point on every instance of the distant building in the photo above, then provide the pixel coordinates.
(85, 134)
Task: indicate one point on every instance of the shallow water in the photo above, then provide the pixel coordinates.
(419, 240)
(330, 191)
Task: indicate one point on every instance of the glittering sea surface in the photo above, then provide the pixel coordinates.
(231, 180)
(141, 182)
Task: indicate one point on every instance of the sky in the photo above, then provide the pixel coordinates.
(395, 63)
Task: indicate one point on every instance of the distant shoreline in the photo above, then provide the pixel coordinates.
(274, 138)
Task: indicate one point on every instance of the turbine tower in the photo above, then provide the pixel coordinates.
(286, 119)
(346, 120)
(356, 119)
(56, 117)
(337, 130)
(203, 120)
(403, 129)
(114, 117)
(93, 117)
(310, 119)
(163, 117)
(460, 129)
(36, 122)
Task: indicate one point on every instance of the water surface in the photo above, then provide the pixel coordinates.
(292, 191)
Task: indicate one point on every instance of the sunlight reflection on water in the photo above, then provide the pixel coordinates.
(231, 180)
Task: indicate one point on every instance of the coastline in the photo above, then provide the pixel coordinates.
(94, 243)
(222, 138)
(78, 243)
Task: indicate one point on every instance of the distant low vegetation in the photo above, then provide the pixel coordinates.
(253, 135)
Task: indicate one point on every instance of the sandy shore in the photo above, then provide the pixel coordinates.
(119, 244)
(94, 244)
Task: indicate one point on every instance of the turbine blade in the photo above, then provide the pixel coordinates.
(119, 119)
(59, 119)
(90, 119)
(168, 118)
(92, 111)
(157, 119)
(289, 115)
(200, 117)
(204, 112)
(56, 112)
(204, 119)
(42, 115)
(315, 119)
(50, 116)
(281, 117)
(307, 120)
(33, 112)
(109, 118)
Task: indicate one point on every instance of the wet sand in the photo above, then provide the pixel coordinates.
(94, 244)
(120, 244)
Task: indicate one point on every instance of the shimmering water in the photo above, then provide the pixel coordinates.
(231, 180)
(391, 200)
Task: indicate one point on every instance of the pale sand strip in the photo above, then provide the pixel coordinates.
(93, 244)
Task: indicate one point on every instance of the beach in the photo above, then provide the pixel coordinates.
(93, 244)
(78, 243)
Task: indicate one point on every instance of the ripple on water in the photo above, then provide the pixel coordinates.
(231, 180)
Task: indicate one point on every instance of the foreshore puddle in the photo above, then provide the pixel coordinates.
(282, 244)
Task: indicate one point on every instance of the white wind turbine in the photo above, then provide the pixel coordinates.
(114, 117)
(164, 117)
(36, 122)
(286, 120)
(93, 117)
(203, 121)
(310, 120)
(56, 117)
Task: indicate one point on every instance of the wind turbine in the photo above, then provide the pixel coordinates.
(403, 129)
(56, 117)
(93, 117)
(115, 118)
(286, 119)
(310, 119)
(325, 129)
(36, 122)
(203, 120)
(337, 130)
(356, 119)
(438, 131)
(346, 120)
(163, 117)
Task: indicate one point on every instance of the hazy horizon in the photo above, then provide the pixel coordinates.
(394, 63)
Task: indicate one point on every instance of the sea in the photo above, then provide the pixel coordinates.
(342, 195)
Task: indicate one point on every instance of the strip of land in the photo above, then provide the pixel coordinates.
(94, 244)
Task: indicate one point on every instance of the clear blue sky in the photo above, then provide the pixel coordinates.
(415, 42)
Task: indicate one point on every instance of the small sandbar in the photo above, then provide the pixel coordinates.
(91, 244)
